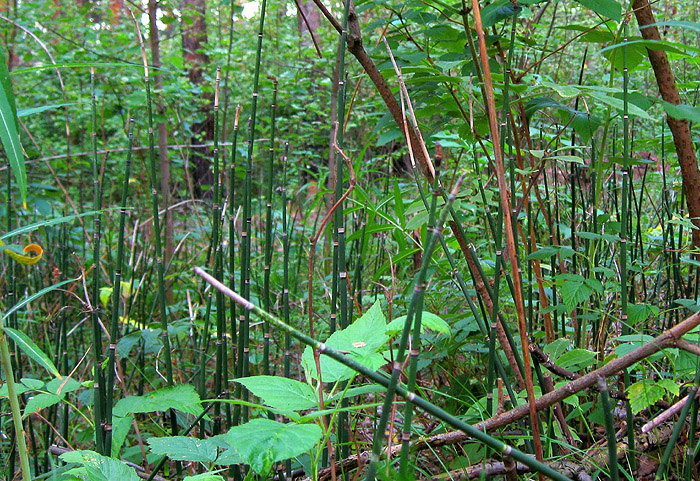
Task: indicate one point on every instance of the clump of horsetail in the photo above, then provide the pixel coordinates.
(116, 286)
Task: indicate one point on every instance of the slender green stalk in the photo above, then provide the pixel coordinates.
(116, 289)
(374, 376)
(609, 428)
(246, 234)
(268, 229)
(99, 384)
(624, 234)
(160, 268)
(14, 405)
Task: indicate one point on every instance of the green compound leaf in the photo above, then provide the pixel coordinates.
(262, 442)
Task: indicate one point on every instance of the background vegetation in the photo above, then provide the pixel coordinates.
(488, 213)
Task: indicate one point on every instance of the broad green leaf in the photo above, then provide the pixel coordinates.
(183, 448)
(227, 455)
(181, 397)
(637, 313)
(101, 467)
(605, 8)
(32, 350)
(573, 289)
(262, 442)
(361, 341)
(39, 402)
(682, 111)
(281, 393)
(557, 347)
(8, 128)
(576, 359)
(644, 393)
(120, 428)
(36, 295)
(428, 321)
(619, 104)
(670, 385)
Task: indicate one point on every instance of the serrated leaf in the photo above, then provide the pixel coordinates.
(644, 393)
(181, 397)
(573, 289)
(281, 393)
(120, 428)
(428, 321)
(183, 448)
(361, 341)
(670, 386)
(101, 467)
(637, 313)
(32, 350)
(262, 442)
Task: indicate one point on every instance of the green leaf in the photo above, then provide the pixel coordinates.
(361, 341)
(644, 393)
(573, 289)
(32, 350)
(576, 359)
(183, 448)
(36, 295)
(262, 442)
(204, 477)
(545, 253)
(120, 428)
(39, 402)
(105, 294)
(605, 8)
(101, 467)
(637, 313)
(9, 134)
(57, 220)
(682, 111)
(281, 393)
(428, 321)
(181, 397)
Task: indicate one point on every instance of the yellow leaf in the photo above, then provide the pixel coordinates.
(28, 260)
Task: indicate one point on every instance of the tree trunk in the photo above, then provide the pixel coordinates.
(680, 129)
(162, 129)
(194, 38)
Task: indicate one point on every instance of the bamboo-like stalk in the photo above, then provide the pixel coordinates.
(99, 385)
(268, 228)
(160, 268)
(235, 335)
(374, 376)
(246, 234)
(609, 428)
(510, 236)
(624, 232)
(218, 261)
(412, 319)
(116, 289)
